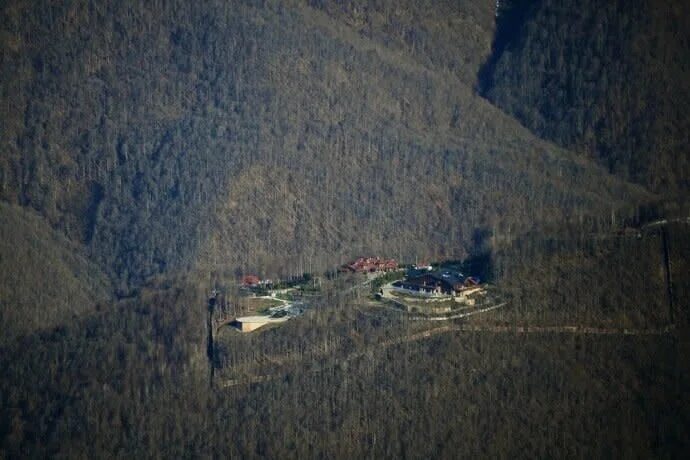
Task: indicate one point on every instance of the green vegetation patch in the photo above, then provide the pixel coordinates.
(261, 305)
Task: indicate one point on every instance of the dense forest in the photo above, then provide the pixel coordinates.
(213, 134)
(45, 278)
(133, 381)
(152, 151)
(609, 81)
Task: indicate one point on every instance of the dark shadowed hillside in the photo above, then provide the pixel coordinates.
(611, 81)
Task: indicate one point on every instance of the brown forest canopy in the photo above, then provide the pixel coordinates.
(138, 129)
(148, 146)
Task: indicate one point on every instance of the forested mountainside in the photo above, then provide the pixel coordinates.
(609, 80)
(152, 151)
(132, 381)
(139, 131)
(45, 279)
(444, 35)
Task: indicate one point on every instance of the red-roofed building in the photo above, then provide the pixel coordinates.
(372, 264)
(250, 280)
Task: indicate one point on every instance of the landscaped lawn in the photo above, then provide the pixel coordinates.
(260, 305)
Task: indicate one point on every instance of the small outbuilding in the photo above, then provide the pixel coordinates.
(371, 264)
(252, 323)
(250, 280)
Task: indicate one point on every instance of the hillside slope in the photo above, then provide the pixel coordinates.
(162, 145)
(611, 81)
(444, 35)
(45, 280)
(378, 153)
(136, 131)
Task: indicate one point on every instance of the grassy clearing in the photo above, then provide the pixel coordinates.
(261, 305)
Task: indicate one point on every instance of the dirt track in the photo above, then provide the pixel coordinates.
(578, 330)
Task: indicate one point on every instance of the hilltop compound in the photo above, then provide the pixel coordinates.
(437, 283)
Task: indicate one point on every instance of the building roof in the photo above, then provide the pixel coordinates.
(372, 264)
(259, 319)
(449, 279)
(250, 280)
(415, 272)
(448, 276)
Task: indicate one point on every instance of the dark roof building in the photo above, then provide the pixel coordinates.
(415, 272)
(437, 281)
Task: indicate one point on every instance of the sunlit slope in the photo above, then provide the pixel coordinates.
(282, 136)
(364, 150)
